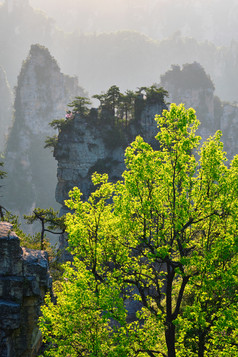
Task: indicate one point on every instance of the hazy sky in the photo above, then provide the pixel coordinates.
(128, 58)
(213, 20)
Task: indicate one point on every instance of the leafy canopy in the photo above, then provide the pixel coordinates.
(155, 255)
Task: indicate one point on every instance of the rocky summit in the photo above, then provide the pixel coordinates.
(42, 93)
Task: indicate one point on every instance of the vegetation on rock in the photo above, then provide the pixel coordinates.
(190, 76)
(2, 173)
(116, 110)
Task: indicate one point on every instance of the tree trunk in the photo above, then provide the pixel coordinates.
(201, 346)
(170, 327)
(170, 339)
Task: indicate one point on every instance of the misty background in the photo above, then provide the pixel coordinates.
(85, 47)
(125, 42)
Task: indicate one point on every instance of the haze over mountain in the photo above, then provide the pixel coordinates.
(142, 39)
(212, 20)
(128, 43)
(52, 51)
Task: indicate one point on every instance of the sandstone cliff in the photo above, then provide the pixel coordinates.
(24, 281)
(85, 146)
(6, 99)
(42, 94)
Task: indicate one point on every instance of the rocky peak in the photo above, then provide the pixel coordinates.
(42, 93)
(192, 86)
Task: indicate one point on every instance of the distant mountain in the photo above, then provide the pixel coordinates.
(130, 60)
(42, 94)
(191, 85)
(20, 27)
(126, 58)
(213, 20)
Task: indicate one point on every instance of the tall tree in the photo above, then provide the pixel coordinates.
(163, 239)
(127, 106)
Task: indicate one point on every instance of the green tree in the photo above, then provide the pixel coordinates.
(112, 98)
(101, 98)
(51, 142)
(127, 106)
(57, 124)
(50, 222)
(80, 105)
(165, 238)
(154, 94)
(2, 173)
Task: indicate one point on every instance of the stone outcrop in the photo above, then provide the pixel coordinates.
(6, 99)
(85, 146)
(193, 87)
(24, 280)
(42, 94)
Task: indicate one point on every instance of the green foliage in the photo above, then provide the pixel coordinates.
(154, 94)
(121, 108)
(80, 105)
(26, 240)
(58, 123)
(166, 237)
(51, 142)
(2, 173)
(115, 112)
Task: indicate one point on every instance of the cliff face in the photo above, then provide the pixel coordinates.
(5, 108)
(88, 146)
(229, 127)
(24, 281)
(42, 93)
(193, 87)
(85, 146)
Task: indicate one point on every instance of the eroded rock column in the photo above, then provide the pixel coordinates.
(24, 281)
